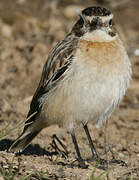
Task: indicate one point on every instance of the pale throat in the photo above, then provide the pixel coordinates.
(99, 36)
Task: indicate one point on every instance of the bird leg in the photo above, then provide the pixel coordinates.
(61, 143)
(95, 156)
(59, 151)
(116, 161)
(81, 162)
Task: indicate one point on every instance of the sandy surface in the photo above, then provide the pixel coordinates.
(28, 31)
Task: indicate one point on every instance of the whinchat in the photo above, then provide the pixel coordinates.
(83, 80)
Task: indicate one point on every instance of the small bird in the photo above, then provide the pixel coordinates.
(83, 80)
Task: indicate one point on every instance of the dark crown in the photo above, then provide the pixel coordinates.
(96, 11)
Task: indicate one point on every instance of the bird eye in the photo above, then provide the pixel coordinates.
(110, 23)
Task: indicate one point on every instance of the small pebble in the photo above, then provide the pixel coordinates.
(6, 30)
(21, 1)
(71, 11)
(136, 52)
(121, 155)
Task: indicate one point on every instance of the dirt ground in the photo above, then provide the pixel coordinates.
(28, 31)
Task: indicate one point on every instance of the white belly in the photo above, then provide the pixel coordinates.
(89, 92)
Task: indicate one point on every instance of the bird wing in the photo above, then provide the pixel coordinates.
(57, 63)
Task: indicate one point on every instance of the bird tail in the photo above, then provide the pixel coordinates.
(32, 127)
(23, 141)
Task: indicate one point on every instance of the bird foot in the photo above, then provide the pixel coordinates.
(118, 161)
(81, 164)
(103, 164)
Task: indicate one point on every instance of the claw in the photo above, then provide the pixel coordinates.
(118, 161)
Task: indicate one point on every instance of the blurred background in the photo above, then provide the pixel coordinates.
(29, 29)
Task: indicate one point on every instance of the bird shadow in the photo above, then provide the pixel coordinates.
(32, 149)
(37, 150)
